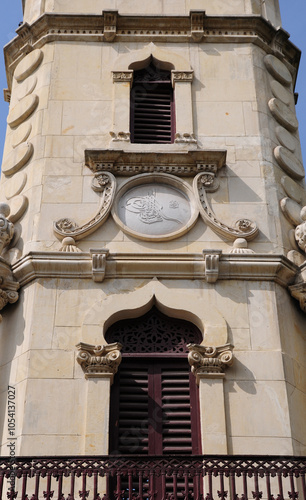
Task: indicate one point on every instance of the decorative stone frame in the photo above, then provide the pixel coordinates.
(173, 303)
(181, 77)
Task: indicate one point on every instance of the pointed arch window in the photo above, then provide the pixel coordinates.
(154, 400)
(152, 106)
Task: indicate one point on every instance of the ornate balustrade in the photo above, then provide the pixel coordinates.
(146, 477)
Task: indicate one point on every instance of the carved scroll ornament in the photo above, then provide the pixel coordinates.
(6, 227)
(209, 361)
(244, 228)
(103, 183)
(300, 231)
(99, 361)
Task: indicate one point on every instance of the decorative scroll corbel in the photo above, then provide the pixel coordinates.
(103, 183)
(296, 215)
(244, 228)
(8, 285)
(212, 265)
(209, 361)
(99, 361)
(110, 25)
(99, 264)
(6, 227)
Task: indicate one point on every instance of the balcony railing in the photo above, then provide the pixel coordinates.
(153, 478)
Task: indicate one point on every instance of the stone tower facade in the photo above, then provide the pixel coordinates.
(206, 225)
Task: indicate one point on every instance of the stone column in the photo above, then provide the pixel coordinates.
(121, 106)
(181, 81)
(100, 363)
(207, 364)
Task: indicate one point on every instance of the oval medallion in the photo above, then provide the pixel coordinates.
(28, 64)
(155, 207)
(278, 69)
(18, 206)
(22, 110)
(286, 138)
(291, 210)
(283, 114)
(281, 93)
(21, 134)
(292, 189)
(26, 88)
(289, 162)
(17, 158)
(15, 185)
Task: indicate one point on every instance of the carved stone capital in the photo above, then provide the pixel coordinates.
(181, 76)
(212, 258)
(110, 25)
(6, 227)
(209, 361)
(99, 264)
(123, 76)
(99, 361)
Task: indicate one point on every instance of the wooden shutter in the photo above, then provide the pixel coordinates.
(152, 113)
(157, 411)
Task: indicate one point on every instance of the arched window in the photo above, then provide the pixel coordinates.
(154, 400)
(152, 106)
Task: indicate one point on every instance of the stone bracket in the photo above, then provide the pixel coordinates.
(7, 95)
(197, 24)
(212, 258)
(110, 24)
(99, 264)
(279, 40)
(299, 292)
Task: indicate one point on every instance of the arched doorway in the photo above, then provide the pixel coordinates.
(154, 399)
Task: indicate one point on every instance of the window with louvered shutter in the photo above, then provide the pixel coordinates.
(154, 400)
(152, 107)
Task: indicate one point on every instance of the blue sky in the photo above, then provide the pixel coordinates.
(293, 17)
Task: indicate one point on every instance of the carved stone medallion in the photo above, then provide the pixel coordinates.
(151, 207)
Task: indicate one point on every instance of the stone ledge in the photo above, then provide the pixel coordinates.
(93, 28)
(252, 267)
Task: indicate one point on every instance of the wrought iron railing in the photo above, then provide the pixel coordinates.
(153, 478)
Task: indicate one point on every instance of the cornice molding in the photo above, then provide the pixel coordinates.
(253, 267)
(95, 28)
(129, 163)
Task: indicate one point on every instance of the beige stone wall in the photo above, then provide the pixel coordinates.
(75, 112)
(40, 361)
(268, 9)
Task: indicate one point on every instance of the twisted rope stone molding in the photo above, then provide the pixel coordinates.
(99, 361)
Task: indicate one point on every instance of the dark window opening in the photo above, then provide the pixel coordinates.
(154, 399)
(152, 107)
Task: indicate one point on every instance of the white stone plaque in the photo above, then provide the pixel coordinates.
(154, 209)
